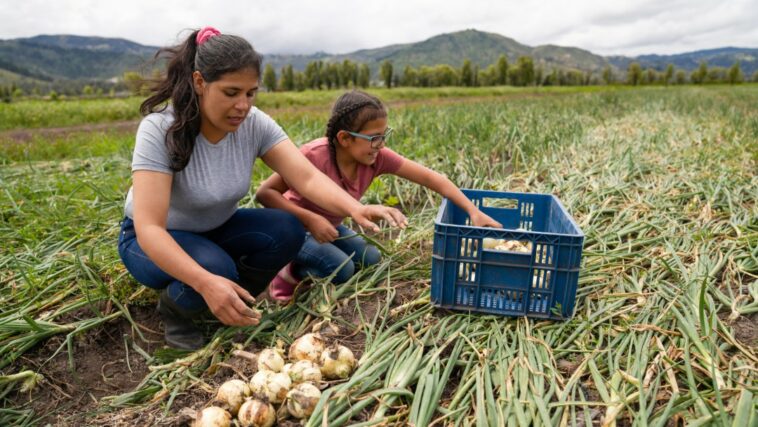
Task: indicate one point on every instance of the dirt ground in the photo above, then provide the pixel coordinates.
(105, 364)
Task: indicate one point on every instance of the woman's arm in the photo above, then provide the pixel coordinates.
(285, 159)
(151, 194)
(271, 195)
(437, 182)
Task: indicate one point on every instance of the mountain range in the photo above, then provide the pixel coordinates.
(48, 58)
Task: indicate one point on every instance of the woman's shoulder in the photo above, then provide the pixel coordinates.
(158, 120)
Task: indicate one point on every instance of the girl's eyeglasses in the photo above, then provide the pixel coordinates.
(375, 140)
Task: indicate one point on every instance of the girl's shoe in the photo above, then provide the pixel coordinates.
(283, 285)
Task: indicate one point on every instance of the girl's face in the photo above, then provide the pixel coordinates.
(360, 149)
(224, 104)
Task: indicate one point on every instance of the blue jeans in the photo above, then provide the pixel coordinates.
(264, 240)
(322, 259)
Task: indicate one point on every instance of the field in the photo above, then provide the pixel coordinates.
(661, 180)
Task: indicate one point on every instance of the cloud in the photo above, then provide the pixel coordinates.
(339, 26)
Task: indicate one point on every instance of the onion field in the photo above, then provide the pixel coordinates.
(662, 181)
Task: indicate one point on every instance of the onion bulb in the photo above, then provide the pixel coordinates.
(255, 413)
(270, 360)
(231, 394)
(271, 386)
(304, 371)
(213, 416)
(302, 400)
(337, 362)
(307, 347)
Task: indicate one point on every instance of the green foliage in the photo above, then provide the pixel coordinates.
(269, 78)
(734, 74)
(634, 74)
(386, 73)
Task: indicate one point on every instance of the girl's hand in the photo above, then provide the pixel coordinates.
(480, 219)
(378, 212)
(226, 301)
(321, 229)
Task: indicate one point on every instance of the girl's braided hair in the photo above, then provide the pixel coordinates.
(351, 112)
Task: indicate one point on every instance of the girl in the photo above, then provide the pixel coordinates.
(352, 154)
(183, 232)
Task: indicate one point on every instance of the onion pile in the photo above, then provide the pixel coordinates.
(294, 385)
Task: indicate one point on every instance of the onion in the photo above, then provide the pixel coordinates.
(271, 386)
(255, 413)
(337, 361)
(305, 371)
(213, 416)
(231, 394)
(270, 360)
(307, 347)
(302, 400)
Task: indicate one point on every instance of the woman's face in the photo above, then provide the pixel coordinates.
(224, 103)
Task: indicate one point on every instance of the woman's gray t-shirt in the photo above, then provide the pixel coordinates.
(206, 193)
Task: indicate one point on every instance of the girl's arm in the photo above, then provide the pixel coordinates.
(151, 194)
(422, 175)
(285, 159)
(271, 195)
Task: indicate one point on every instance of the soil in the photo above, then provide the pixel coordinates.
(102, 367)
(746, 330)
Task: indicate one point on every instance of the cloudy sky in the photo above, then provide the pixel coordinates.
(339, 26)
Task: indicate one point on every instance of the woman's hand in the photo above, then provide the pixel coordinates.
(367, 213)
(321, 229)
(226, 301)
(480, 219)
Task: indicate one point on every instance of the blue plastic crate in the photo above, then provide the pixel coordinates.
(538, 283)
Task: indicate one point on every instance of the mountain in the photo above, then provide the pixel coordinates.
(722, 57)
(480, 47)
(57, 57)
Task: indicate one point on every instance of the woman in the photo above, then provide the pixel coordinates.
(183, 232)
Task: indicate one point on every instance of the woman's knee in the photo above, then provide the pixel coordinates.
(290, 232)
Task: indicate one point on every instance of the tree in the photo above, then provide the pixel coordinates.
(467, 74)
(88, 90)
(668, 74)
(755, 77)
(386, 72)
(269, 78)
(364, 76)
(634, 74)
(312, 74)
(607, 75)
(409, 76)
(501, 76)
(288, 78)
(734, 75)
(348, 73)
(134, 82)
(680, 77)
(523, 73)
(299, 81)
(651, 76)
(700, 75)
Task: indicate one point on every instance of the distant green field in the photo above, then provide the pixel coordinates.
(661, 180)
(29, 114)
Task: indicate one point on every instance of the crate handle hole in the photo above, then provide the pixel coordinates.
(500, 203)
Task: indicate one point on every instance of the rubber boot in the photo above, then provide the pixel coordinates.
(180, 330)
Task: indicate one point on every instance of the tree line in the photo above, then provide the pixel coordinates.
(320, 74)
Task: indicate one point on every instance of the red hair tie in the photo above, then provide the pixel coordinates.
(204, 34)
